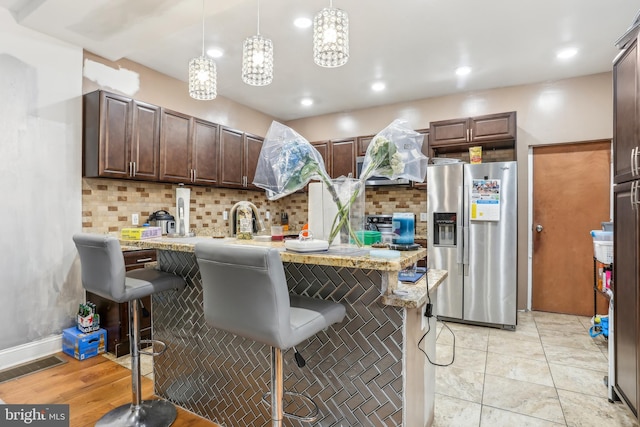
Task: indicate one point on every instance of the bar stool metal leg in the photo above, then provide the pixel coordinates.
(148, 413)
(277, 393)
(277, 388)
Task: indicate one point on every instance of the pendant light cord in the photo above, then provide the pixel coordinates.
(258, 17)
(202, 27)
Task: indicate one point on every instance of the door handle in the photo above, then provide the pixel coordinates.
(459, 226)
(634, 195)
(634, 161)
(539, 228)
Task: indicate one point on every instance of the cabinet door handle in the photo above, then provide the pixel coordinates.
(135, 168)
(144, 259)
(130, 168)
(470, 135)
(193, 175)
(631, 161)
(635, 162)
(634, 195)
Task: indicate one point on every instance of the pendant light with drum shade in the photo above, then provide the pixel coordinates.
(257, 59)
(331, 37)
(202, 74)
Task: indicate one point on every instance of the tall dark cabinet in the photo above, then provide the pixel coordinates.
(626, 266)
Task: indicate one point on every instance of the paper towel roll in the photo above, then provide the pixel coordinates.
(322, 210)
(183, 198)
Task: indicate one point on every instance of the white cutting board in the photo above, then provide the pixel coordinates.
(311, 245)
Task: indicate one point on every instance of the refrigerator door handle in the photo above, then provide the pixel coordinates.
(465, 259)
(465, 228)
(459, 226)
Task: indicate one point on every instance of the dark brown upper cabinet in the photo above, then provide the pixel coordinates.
(239, 154)
(626, 95)
(343, 158)
(425, 151)
(253, 146)
(325, 153)
(362, 143)
(492, 130)
(188, 149)
(205, 158)
(121, 137)
(232, 155)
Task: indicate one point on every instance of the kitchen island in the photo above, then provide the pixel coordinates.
(367, 370)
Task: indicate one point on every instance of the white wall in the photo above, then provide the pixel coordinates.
(40, 183)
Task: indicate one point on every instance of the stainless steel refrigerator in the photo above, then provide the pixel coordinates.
(472, 219)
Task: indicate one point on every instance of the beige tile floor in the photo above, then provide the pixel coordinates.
(549, 372)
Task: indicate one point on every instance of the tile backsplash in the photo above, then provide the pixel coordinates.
(107, 205)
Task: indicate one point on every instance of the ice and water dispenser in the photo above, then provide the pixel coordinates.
(444, 229)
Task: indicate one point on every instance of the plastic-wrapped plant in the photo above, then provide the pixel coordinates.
(287, 163)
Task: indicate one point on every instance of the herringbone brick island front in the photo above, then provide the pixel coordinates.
(367, 370)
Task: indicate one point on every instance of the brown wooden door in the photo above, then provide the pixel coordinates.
(571, 197)
(175, 147)
(204, 159)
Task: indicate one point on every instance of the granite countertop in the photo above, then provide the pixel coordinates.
(414, 295)
(349, 257)
(394, 292)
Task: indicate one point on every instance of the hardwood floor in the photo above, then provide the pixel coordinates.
(91, 387)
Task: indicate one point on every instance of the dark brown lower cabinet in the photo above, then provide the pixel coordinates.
(114, 317)
(626, 278)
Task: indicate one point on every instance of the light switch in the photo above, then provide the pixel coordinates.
(225, 215)
(423, 216)
(135, 219)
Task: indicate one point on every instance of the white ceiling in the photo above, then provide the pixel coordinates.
(413, 46)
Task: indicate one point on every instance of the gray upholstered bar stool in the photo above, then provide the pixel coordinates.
(246, 294)
(103, 273)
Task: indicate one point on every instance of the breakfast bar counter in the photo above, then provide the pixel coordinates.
(367, 370)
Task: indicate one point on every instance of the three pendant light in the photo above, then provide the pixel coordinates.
(330, 49)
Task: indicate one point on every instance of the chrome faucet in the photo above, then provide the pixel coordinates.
(245, 205)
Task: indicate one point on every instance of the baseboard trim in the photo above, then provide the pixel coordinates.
(27, 352)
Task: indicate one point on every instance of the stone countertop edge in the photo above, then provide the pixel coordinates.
(365, 262)
(416, 293)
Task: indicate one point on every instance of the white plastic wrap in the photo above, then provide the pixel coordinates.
(287, 162)
(395, 152)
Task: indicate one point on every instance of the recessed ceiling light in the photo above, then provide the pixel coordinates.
(306, 102)
(463, 71)
(567, 53)
(215, 52)
(302, 22)
(378, 86)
